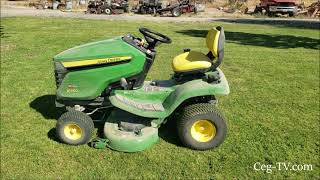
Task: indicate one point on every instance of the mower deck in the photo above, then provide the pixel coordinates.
(129, 133)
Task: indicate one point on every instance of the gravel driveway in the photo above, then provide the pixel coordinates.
(10, 11)
(13, 11)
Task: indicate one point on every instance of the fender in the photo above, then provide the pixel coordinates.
(161, 104)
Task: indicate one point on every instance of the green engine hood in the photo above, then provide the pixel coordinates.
(115, 47)
(102, 58)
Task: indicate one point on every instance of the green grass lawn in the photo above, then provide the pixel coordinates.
(272, 112)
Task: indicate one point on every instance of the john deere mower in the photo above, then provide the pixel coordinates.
(105, 81)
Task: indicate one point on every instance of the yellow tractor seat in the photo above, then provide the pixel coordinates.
(191, 60)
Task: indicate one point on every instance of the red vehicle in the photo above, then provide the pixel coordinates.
(272, 7)
(183, 6)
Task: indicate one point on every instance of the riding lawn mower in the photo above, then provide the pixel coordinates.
(147, 6)
(105, 81)
(107, 7)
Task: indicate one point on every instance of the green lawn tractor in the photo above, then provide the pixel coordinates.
(105, 81)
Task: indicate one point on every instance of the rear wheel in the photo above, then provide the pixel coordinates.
(61, 7)
(143, 10)
(201, 127)
(176, 12)
(74, 127)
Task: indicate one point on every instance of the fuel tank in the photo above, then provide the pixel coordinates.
(83, 72)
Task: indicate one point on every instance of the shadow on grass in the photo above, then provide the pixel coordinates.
(168, 132)
(4, 34)
(274, 41)
(45, 105)
(52, 135)
(303, 24)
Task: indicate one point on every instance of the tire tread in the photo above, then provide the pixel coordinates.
(188, 113)
(75, 116)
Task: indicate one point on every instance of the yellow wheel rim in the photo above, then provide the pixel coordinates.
(203, 130)
(72, 131)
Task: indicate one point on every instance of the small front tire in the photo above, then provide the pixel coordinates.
(74, 128)
(201, 127)
(108, 11)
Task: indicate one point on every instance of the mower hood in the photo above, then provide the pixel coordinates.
(83, 72)
(105, 50)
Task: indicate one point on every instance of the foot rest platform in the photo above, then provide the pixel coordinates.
(140, 105)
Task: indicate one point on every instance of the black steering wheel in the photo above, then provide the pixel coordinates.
(153, 38)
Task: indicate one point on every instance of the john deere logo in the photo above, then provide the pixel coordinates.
(110, 60)
(72, 89)
(95, 61)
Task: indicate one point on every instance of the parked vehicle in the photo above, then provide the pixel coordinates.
(95, 7)
(108, 6)
(181, 7)
(273, 7)
(148, 6)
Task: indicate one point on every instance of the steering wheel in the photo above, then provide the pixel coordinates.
(153, 38)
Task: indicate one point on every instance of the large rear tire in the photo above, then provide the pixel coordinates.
(201, 127)
(75, 128)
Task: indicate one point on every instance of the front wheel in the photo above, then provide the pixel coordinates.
(61, 7)
(108, 11)
(257, 10)
(154, 12)
(195, 10)
(201, 127)
(75, 128)
(269, 13)
(292, 14)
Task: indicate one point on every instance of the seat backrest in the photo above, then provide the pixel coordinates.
(215, 41)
